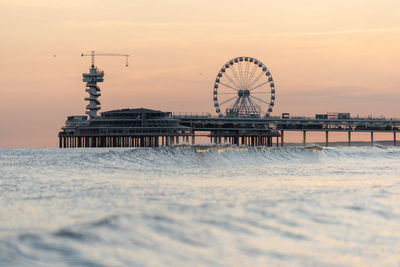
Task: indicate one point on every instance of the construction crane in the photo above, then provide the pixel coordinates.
(93, 55)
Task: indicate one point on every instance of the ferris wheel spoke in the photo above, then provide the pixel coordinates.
(244, 75)
(236, 76)
(228, 100)
(231, 80)
(256, 79)
(261, 84)
(227, 93)
(241, 74)
(253, 71)
(247, 74)
(228, 86)
(264, 92)
(259, 99)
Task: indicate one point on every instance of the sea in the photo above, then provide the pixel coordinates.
(200, 206)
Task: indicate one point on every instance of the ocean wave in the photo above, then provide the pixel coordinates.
(180, 159)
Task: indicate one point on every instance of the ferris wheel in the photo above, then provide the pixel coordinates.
(244, 88)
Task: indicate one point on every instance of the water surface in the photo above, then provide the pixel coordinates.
(221, 207)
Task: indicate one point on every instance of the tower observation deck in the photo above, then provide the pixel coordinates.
(92, 78)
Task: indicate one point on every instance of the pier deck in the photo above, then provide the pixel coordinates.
(149, 128)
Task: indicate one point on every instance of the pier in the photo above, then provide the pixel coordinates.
(244, 87)
(150, 128)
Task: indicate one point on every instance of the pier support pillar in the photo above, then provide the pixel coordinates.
(394, 138)
(282, 138)
(349, 134)
(304, 138)
(326, 138)
(372, 138)
(141, 141)
(193, 139)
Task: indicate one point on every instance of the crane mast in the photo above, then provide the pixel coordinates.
(92, 78)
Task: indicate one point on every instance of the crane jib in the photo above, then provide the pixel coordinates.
(93, 55)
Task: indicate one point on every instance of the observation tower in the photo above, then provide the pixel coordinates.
(91, 79)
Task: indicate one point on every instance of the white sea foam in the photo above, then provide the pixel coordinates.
(214, 205)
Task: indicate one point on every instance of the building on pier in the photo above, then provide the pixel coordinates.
(152, 128)
(124, 128)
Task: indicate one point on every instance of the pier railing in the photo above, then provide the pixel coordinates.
(191, 114)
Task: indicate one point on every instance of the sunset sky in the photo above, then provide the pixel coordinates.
(325, 56)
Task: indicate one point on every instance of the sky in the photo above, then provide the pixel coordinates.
(324, 56)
